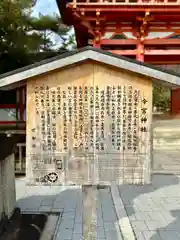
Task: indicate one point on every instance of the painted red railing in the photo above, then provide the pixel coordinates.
(124, 2)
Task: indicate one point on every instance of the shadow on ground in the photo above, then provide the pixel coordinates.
(154, 210)
(69, 203)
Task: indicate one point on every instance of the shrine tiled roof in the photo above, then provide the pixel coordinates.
(159, 75)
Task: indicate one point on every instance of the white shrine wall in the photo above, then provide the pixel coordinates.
(89, 113)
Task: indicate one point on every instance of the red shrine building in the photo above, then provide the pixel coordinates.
(145, 30)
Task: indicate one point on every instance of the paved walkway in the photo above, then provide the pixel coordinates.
(67, 202)
(153, 210)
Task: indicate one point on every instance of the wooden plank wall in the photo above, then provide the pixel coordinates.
(85, 142)
(135, 166)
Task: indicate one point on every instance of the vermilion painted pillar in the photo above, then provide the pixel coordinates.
(97, 40)
(140, 51)
(175, 101)
(21, 104)
(96, 44)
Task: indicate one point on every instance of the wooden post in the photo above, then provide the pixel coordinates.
(96, 44)
(7, 183)
(89, 193)
(89, 211)
(97, 38)
(140, 51)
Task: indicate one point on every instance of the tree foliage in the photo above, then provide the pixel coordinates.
(23, 38)
(161, 97)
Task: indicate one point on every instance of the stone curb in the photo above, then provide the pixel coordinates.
(123, 220)
(57, 226)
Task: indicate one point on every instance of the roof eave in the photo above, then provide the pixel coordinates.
(76, 57)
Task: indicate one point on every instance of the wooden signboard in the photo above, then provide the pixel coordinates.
(89, 124)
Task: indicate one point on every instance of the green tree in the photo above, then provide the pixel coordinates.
(45, 26)
(161, 97)
(70, 42)
(25, 39)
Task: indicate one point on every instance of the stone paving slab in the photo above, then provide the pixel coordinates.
(68, 201)
(150, 212)
(154, 210)
(123, 220)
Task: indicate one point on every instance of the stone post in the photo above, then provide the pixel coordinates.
(7, 186)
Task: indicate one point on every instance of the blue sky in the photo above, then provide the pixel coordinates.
(45, 7)
(48, 7)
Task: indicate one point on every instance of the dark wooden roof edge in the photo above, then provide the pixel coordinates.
(70, 53)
